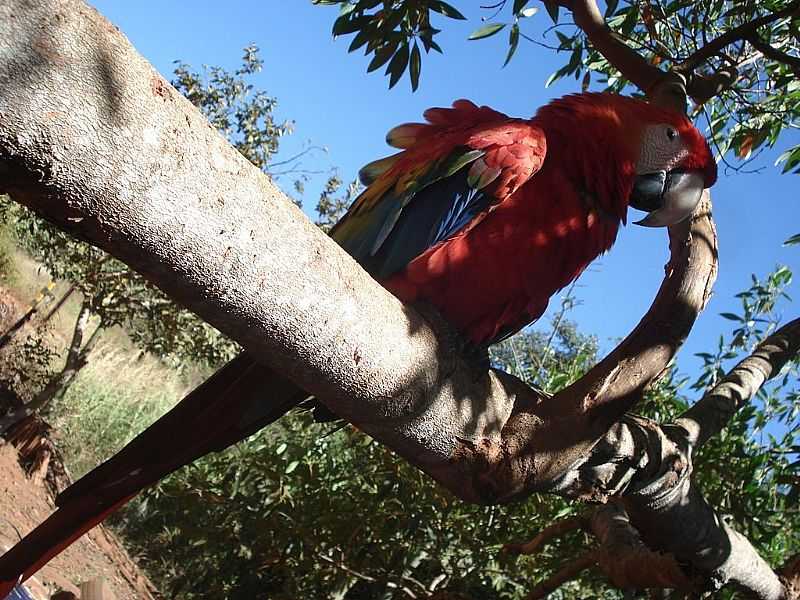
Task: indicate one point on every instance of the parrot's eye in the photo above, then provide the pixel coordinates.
(671, 134)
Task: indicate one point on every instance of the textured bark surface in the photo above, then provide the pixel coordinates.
(96, 141)
(92, 138)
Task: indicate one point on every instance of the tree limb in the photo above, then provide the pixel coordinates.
(710, 415)
(569, 572)
(136, 170)
(626, 560)
(732, 36)
(773, 53)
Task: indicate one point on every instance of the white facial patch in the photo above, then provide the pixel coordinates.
(662, 149)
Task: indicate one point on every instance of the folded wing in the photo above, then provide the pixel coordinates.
(452, 170)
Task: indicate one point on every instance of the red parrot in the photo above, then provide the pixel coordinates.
(481, 215)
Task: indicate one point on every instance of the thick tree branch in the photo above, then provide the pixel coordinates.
(137, 171)
(625, 59)
(626, 560)
(649, 467)
(743, 32)
(710, 415)
(773, 53)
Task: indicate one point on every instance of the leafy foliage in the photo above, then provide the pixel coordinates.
(392, 32)
(305, 512)
(750, 471)
(749, 108)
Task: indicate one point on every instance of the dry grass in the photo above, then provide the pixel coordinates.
(113, 399)
(119, 392)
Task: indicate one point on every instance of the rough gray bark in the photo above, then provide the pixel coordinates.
(92, 138)
(135, 169)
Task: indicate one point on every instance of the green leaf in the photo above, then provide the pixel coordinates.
(361, 38)
(731, 317)
(519, 5)
(382, 55)
(513, 42)
(795, 239)
(291, 467)
(445, 9)
(346, 8)
(552, 9)
(486, 31)
(790, 159)
(344, 25)
(415, 67)
(398, 65)
(611, 7)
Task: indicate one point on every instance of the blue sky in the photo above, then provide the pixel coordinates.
(336, 104)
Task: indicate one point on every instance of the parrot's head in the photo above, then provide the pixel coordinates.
(674, 165)
(626, 152)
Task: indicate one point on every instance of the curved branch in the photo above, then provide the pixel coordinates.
(554, 530)
(566, 574)
(590, 406)
(710, 415)
(626, 60)
(737, 34)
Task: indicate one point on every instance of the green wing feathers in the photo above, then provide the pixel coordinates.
(486, 148)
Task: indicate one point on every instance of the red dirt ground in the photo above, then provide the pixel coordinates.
(25, 502)
(98, 554)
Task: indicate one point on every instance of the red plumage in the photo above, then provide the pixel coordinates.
(551, 217)
(481, 215)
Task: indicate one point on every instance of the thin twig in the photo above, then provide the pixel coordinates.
(564, 575)
(556, 529)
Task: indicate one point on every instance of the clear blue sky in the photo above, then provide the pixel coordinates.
(335, 103)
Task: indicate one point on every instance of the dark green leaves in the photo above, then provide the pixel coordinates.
(415, 67)
(552, 9)
(519, 11)
(382, 56)
(398, 65)
(792, 241)
(513, 42)
(790, 160)
(447, 10)
(392, 32)
(611, 7)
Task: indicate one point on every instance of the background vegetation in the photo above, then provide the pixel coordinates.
(304, 510)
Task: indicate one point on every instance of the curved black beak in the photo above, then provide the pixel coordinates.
(669, 196)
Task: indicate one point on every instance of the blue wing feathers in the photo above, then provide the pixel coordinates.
(437, 213)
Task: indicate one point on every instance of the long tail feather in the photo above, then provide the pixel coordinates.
(234, 403)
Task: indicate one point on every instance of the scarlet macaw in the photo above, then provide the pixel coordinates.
(481, 215)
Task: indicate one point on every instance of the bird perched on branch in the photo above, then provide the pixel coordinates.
(481, 215)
